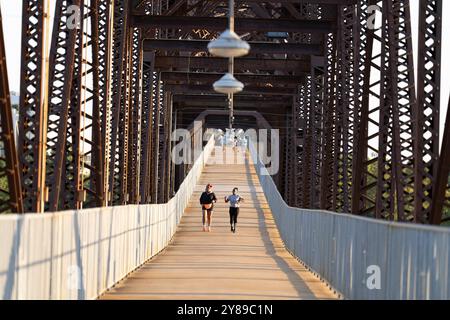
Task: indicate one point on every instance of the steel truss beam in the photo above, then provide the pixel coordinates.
(165, 63)
(426, 148)
(327, 183)
(32, 109)
(147, 124)
(395, 165)
(441, 195)
(62, 68)
(208, 89)
(118, 162)
(241, 25)
(256, 47)
(364, 184)
(205, 77)
(10, 186)
(355, 138)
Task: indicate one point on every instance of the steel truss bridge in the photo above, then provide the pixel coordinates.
(358, 116)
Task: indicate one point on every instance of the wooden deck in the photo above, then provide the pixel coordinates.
(249, 264)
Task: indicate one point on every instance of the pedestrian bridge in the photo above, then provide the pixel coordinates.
(159, 251)
(250, 264)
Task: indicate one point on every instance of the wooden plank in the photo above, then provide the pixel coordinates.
(249, 264)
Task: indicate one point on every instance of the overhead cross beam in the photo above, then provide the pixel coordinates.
(208, 89)
(205, 77)
(164, 63)
(241, 25)
(256, 47)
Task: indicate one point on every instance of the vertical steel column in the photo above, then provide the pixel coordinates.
(32, 110)
(346, 105)
(135, 117)
(100, 28)
(289, 160)
(156, 138)
(72, 193)
(116, 166)
(62, 62)
(163, 147)
(124, 126)
(147, 127)
(396, 172)
(168, 148)
(427, 113)
(307, 143)
(327, 183)
(441, 194)
(296, 146)
(298, 118)
(105, 29)
(10, 183)
(317, 122)
(364, 164)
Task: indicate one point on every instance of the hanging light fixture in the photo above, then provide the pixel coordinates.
(228, 84)
(228, 45)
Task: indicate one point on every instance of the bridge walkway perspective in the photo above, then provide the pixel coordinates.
(249, 264)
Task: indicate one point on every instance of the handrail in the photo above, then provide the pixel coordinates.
(80, 254)
(362, 258)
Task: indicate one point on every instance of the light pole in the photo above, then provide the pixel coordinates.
(231, 71)
(229, 45)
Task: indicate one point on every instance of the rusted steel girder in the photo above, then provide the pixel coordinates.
(32, 108)
(395, 164)
(426, 135)
(157, 106)
(317, 128)
(327, 183)
(257, 47)
(10, 182)
(214, 64)
(147, 124)
(441, 194)
(62, 67)
(241, 25)
(346, 104)
(206, 77)
(78, 108)
(117, 164)
(134, 146)
(366, 151)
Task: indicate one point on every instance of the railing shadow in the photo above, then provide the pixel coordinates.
(297, 282)
(11, 279)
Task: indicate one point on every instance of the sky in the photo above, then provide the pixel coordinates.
(11, 13)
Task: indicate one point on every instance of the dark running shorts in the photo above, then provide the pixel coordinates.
(209, 210)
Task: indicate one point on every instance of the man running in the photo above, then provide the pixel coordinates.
(207, 200)
(234, 201)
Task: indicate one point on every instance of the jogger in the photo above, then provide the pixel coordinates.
(234, 200)
(207, 200)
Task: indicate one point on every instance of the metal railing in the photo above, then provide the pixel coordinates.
(80, 254)
(363, 258)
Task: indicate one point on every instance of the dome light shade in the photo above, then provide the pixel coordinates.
(228, 45)
(228, 84)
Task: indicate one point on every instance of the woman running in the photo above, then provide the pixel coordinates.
(207, 200)
(234, 201)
